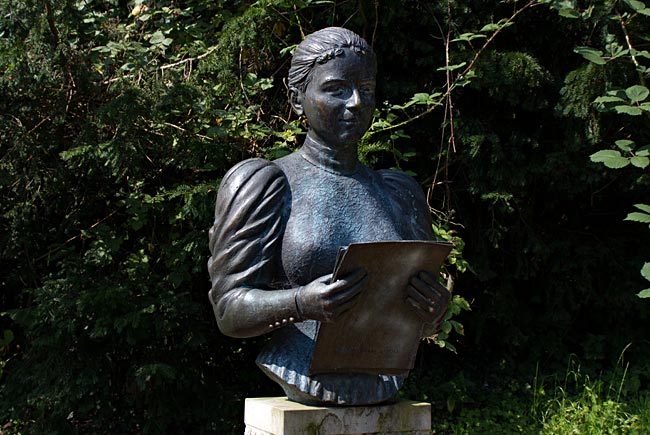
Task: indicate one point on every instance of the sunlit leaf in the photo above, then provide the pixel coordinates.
(645, 271)
(643, 207)
(608, 99)
(635, 4)
(625, 144)
(610, 158)
(592, 55)
(628, 110)
(644, 293)
(468, 37)
(489, 27)
(639, 161)
(637, 93)
(452, 67)
(157, 38)
(636, 216)
(569, 13)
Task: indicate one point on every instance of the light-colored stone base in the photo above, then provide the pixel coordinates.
(279, 416)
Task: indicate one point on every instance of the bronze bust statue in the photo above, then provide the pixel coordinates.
(279, 225)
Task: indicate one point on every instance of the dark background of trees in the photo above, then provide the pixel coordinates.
(118, 118)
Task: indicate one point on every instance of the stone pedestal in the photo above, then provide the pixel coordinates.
(279, 416)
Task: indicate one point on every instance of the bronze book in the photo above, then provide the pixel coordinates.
(381, 334)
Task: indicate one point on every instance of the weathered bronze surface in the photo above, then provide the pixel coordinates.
(279, 225)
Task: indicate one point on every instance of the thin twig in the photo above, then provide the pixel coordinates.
(186, 131)
(374, 31)
(58, 248)
(628, 41)
(531, 3)
(163, 67)
(469, 67)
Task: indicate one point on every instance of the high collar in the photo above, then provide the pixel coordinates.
(342, 160)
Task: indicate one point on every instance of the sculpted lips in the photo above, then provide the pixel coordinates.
(350, 120)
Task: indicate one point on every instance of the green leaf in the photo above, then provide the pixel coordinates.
(452, 67)
(643, 207)
(458, 327)
(489, 27)
(645, 106)
(637, 93)
(7, 337)
(157, 38)
(468, 37)
(610, 158)
(608, 99)
(645, 12)
(636, 5)
(592, 55)
(288, 50)
(451, 404)
(643, 152)
(644, 293)
(645, 271)
(625, 144)
(640, 161)
(636, 216)
(628, 110)
(75, 152)
(569, 13)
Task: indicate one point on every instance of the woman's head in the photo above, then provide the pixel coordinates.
(332, 83)
(320, 47)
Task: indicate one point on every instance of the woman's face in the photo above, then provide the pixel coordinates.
(340, 99)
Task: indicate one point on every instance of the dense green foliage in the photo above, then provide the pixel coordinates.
(118, 118)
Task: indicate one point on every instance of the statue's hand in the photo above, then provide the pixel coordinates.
(428, 297)
(324, 301)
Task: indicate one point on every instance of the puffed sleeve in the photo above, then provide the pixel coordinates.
(409, 200)
(245, 241)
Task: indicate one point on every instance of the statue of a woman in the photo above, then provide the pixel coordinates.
(278, 226)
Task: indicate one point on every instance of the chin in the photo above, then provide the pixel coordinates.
(350, 138)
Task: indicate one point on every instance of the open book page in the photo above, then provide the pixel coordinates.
(381, 333)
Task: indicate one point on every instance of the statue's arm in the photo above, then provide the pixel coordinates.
(245, 241)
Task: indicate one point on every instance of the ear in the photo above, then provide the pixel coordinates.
(295, 98)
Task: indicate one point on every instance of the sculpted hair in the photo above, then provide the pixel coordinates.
(320, 47)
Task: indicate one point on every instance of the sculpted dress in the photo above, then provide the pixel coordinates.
(279, 225)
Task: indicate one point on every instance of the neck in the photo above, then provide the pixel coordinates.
(341, 160)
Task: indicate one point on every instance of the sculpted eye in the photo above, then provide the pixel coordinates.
(367, 89)
(337, 90)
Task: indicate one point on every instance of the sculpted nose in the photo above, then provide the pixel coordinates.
(355, 99)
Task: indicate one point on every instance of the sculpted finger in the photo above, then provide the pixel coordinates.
(350, 292)
(325, 279)
(346, 305)
(425, 315)
(350, 280)
(428, 277)
(429, 293)
(425, 303)
(355, 276)
(419, 284)
(436, 289)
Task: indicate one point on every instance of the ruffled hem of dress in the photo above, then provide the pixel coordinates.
(288, 365)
